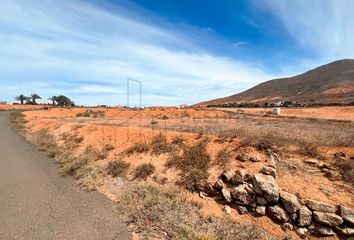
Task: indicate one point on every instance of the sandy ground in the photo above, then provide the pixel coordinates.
(19, 106)
(113, 129)
(339, 113)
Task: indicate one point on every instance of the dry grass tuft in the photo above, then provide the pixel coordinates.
(109, 147)
(144, 170)
(193, 162)
(71, 165)
(160, 145)
(137, 148)
(90, 177)
(313, 151)
(223, 158)
(46, 143)
(159, 214)
(346, 168)
(178, 140)
(17, 120)
(118, 168)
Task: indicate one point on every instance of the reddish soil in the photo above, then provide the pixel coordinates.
(339, 113)
(18, 106)
(113, 129)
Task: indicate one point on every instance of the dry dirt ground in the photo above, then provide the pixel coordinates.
(18, 106)
(123, 128)
(339, 113)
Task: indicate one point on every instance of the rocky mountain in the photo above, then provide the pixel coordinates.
(330, 83)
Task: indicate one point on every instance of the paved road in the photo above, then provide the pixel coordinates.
(36, 202)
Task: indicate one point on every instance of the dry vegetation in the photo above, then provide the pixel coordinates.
(346, 168)
(156, 211)
(307, 135)
(144, 170)
(17, 120)
(223, 158)
(165, 214)
(118, 168)
(193, 163)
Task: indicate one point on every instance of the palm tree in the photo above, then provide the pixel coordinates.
(35, 96)
(21, 98)
(53, 99)
(64, 101)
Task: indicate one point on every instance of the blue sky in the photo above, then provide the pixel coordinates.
(182, 51)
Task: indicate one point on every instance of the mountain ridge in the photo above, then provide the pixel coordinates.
(329, 83)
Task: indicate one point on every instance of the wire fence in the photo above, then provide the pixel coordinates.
(129, 125)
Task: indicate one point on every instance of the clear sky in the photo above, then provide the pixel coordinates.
(183, 51)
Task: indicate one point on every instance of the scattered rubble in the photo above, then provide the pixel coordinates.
(261, 210)
(255, 159)
(320, 206)
(347, 214)
(228, 209)
(290, 202)
(268, 170)
(278, 213)
(329, 219)
(243, 157)
(266, 186)
(305, 217)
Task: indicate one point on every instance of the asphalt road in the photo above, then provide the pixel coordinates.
(36, 202)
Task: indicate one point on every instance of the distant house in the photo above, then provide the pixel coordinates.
(182, 106)
(278, 104)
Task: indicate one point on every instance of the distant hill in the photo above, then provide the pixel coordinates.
(330, 83)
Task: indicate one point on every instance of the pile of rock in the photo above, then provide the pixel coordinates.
(259, 194)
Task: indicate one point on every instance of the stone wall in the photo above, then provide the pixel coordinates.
(259, 194)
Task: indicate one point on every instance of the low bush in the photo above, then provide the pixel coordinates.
(164, 117)
(46, 143)
(311, 151)
(137, 148)
(160, 145)
(223, 157)
(109, 147)
(346, 168)
(17, 120)
(144, 170)
(193, 164)
(72, 164)
(118, 168)
(178, 140)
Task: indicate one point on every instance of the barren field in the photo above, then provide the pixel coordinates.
(302, 151)
(19, 106)
(339, 113)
